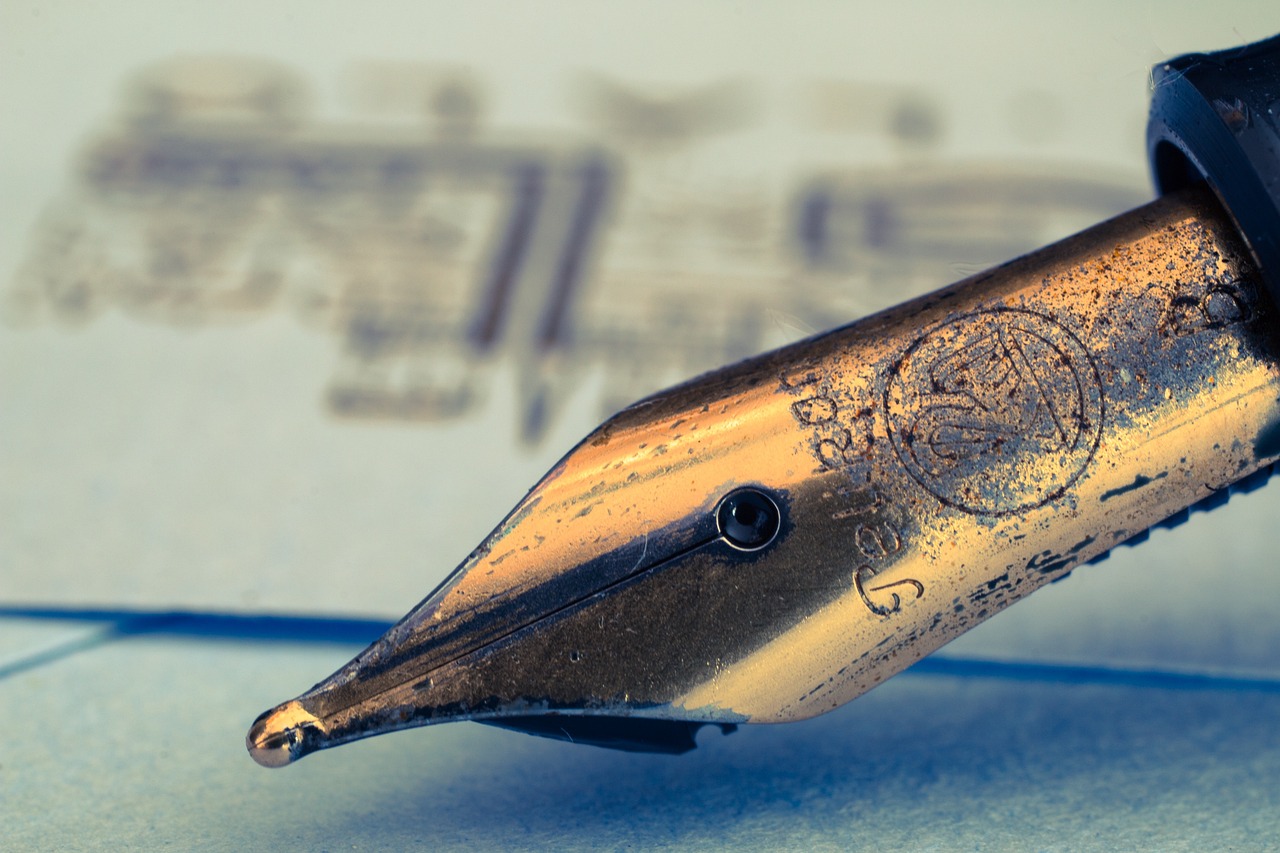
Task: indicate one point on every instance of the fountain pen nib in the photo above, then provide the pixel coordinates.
(771, 540)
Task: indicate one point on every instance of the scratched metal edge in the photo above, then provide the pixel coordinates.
(301, 629)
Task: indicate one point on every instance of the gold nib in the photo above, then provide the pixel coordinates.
(771, 540)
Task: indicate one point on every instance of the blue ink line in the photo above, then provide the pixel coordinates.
(186, 624)
(271, 627)
(57, 653)
(1059, 673)
(316, 630)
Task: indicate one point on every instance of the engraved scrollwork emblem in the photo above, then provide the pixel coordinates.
(995, 412)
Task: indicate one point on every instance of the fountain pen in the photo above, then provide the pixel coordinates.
(768, 541)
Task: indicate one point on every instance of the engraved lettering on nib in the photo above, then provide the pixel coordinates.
(878, 544)
(995, 412)
(1197, 306)
(863, 573)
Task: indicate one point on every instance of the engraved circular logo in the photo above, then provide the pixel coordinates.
(995, 412)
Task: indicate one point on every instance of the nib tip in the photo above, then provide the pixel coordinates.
(276, 738)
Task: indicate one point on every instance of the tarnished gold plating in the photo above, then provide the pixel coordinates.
(933, 464)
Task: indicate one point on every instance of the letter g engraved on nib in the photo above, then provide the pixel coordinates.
(976, 400)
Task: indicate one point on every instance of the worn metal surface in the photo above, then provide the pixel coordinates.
(933, 464)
